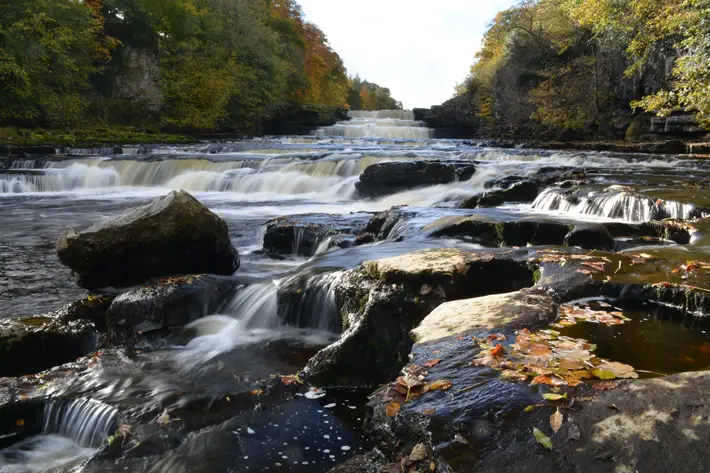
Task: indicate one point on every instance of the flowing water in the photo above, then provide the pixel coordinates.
(248, 183)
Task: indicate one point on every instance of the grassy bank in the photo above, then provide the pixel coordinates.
(87, 137)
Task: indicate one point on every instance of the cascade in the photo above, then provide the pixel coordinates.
(280, 175)
(613, 202)
(393, 124)
(85, 421)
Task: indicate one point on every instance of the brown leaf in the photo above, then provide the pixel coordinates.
(556, 420)
(620, 370)
(419, 452)
(442, 384)
(432, 363)
(605, 385)
(393, 408)
(429, 412)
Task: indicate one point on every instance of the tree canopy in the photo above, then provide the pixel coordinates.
(192, 65)
(591, 65)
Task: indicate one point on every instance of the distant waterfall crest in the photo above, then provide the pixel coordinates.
(392, 124)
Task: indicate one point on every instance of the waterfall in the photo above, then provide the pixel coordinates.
(278, 175)
(614, 202)
(393, 124)
(85, 421)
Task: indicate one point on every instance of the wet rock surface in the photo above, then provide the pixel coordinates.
(167, 303)
(388, 178)
(174, 234)
(305, 235)
(35, 343)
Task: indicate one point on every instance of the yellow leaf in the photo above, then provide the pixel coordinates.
(529, 409)
(554, 397)
(542, 439)
(20, 422)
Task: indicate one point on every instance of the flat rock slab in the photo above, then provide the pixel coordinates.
(174, 234)
(486, 314)
(660, 424)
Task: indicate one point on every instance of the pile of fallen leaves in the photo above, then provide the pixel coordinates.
(547, 357)
(594, 312)
(412, 384)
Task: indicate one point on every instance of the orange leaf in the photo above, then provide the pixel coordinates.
(442, 384)
(393, 408)
(498, 350)
(432, 363)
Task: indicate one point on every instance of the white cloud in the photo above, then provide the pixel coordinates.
(420, 49)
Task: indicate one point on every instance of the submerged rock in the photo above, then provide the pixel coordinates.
(173, 302)
(174, 234)
(387, 178)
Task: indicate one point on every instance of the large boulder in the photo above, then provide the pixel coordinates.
(387, 178)
(174, 234)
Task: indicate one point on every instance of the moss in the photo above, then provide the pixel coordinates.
(371, 270)
(500, 233)
(87, 137)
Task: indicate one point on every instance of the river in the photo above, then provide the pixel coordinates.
(247, 183)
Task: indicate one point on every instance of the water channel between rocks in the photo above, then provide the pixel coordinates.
(250, 182)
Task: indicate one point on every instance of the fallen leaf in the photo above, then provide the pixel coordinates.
(554, 397)
(542, 439)
(20, 422)
(257, 392)
(606, 375)
(432, 363)
(429, 412)
(556, 420)
(613, 406)
(442, 384)
(432, 465)
(419, 452)
(529, 409)
(604, 385)
(393, 408)
(620, 370)
(497, 351)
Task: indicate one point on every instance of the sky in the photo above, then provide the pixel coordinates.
(420, 49)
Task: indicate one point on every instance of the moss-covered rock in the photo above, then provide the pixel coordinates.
(174, 234)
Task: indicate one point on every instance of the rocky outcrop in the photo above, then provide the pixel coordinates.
(297, 119)
(167, 303)
(32, 344)
(387, 178)
(174, 234)
(455, 118)
(383, 300)
(523, 191)
(302, 235)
